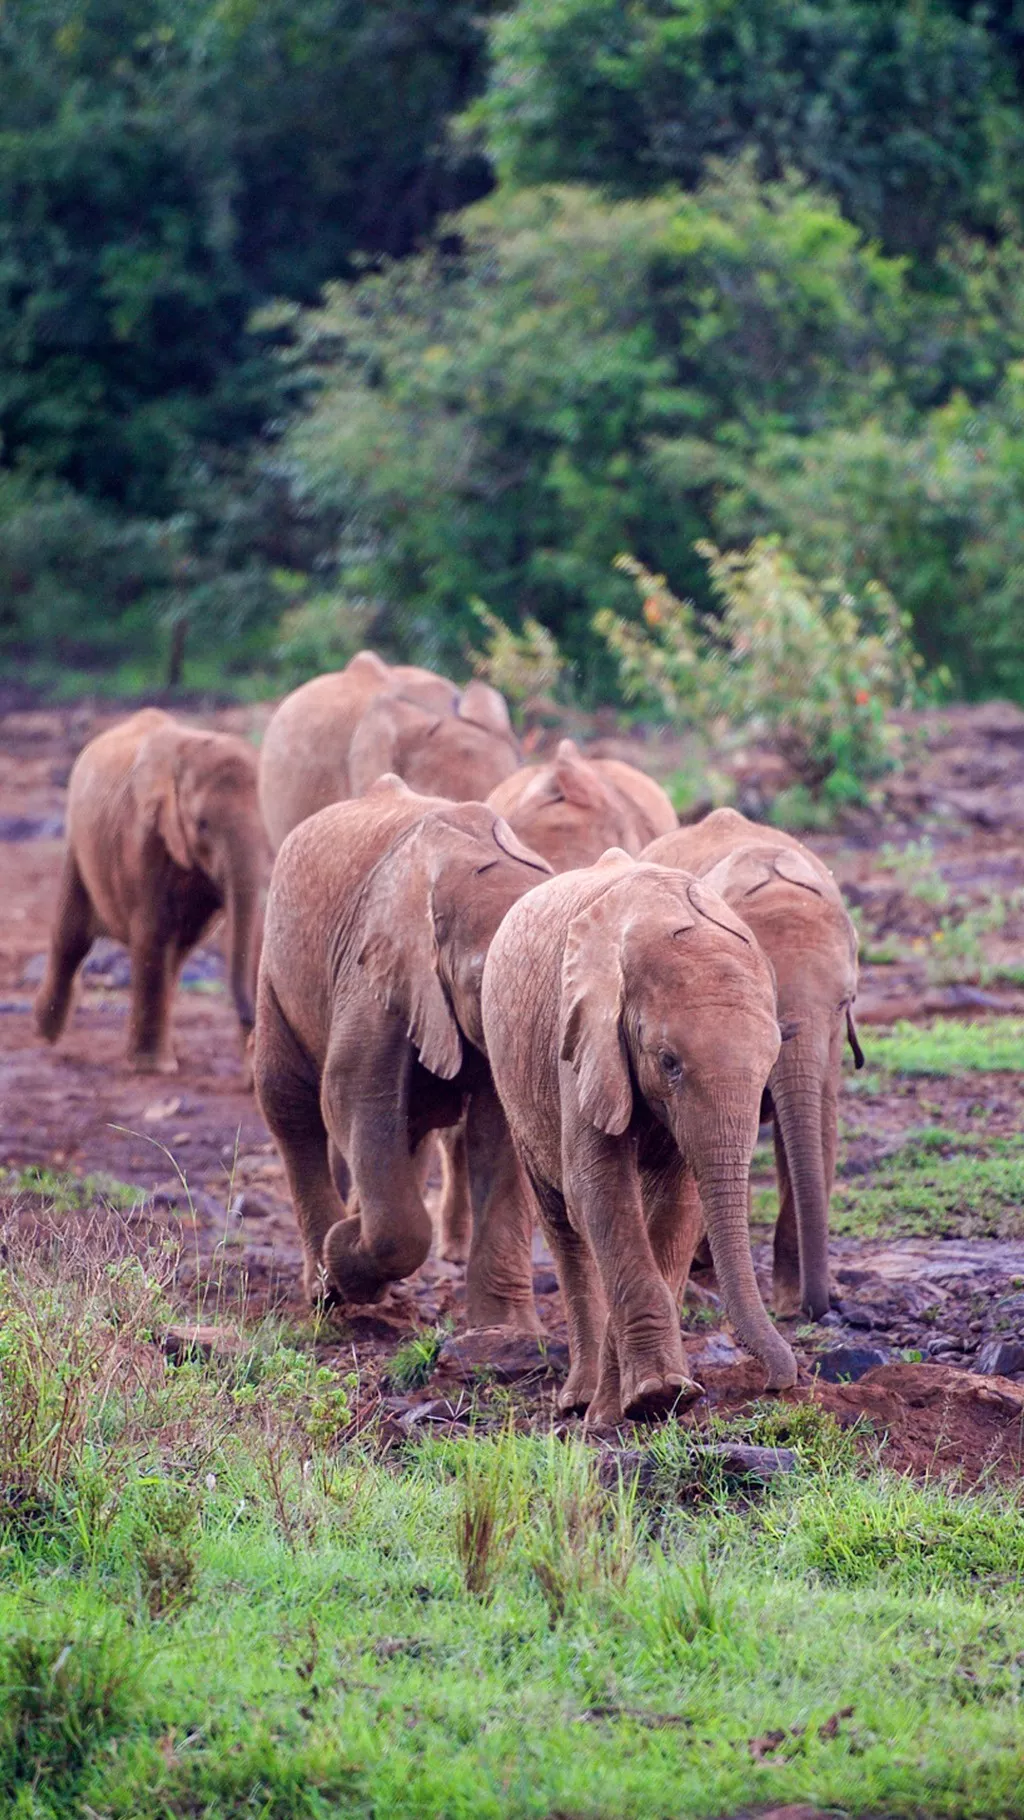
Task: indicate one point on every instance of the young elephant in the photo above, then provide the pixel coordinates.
(630, 1020)
(332, 739)
(791, 902)
(573, 809)
(368, 1036)
(164, 832)
(570, 811)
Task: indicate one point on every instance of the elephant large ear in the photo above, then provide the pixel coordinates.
(155, 778)
(486, 708)
(574, 779)
(709, 903)
(591, 1015)
(376, 742)
(395, 946)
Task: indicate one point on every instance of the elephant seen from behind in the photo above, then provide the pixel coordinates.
(630, 1019)
(790, 900)
(369, 1036)
(573, 808)
(331, 739)
(164, 832)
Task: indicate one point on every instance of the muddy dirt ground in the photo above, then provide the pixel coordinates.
(185, 1163)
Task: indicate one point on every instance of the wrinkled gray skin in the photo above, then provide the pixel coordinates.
(630, 1020)
(164, 832)
(369, 1036)
(792, 903)
(332, 739)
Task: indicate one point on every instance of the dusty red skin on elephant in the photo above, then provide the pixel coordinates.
(573, 809)
(164, 833)
(369, 1036)
(630, 1018)
(793, 905)
(331, 740)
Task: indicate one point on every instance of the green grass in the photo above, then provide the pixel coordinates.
(213, 1603)
(945, 1047)
(67, 1193)
(940, 1183)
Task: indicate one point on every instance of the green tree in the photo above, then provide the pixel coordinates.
(905, 113)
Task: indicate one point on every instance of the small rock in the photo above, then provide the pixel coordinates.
(31, 827)
(160, 1110)
(712, 1351)
(107, 964)
(845, 1364)
(250, 1206)
(545, 1282)
(831, 1319)
(34, 970)
(180, 1343)
(738, 1461)
(420, 1415)
(627, 1464)
(502, 1354)
(856, 1315)
(944, 1346)
(1000, 1358)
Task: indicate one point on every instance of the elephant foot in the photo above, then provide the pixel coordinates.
(786, 1300)
(495, 1311)
(146, 1062)
(49, 1018)
(579, 1389)
(454, 1250)
(659, 1395)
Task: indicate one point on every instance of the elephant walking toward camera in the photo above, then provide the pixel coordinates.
(570, 810)
(332, 738)
(630, 1020)
(164, 833)
(369, 1036)
(792, 903)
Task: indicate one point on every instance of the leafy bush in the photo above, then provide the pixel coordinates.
(786, 657)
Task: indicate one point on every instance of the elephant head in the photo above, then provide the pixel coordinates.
(798, 916)
(424, 921)
(667, 999)
(197, 793)
(459, 750)
(570, 810)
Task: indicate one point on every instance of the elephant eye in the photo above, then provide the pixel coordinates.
(671, 1065)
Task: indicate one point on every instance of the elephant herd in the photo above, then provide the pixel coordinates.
(593, 1007)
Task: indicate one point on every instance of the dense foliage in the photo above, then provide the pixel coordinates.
(748, 269)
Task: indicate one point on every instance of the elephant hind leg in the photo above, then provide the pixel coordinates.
(289, 1099)
(455, 1219)
(72, 938)
(786, 1291)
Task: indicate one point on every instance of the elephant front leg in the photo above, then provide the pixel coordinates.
(586, 1311)
(71, 941)
(290, 1103)
(152, 976)
(499, 1280)
(786, 1283)
(603, 1193)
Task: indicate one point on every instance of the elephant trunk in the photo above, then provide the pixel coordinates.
(724, 1183)
(244, 930)
(797, 1098)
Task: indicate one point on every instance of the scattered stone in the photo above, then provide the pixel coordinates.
(711, 1352)
(181, 1343)
(107, 964)
(545, 1282)
(421, 1415)
(251, 1206)
(845, 1364)
(627, 1464)
(737, 1461)
(1000, 1358)
(856, 1315)
(160, 1110)
(501, 1354)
